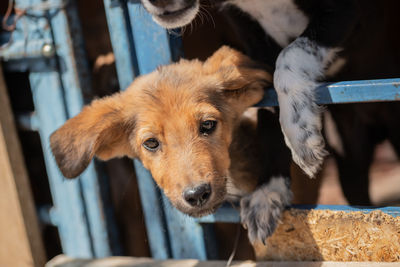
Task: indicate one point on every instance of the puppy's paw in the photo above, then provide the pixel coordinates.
(261, 210)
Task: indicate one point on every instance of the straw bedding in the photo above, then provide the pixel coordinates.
(326, 235)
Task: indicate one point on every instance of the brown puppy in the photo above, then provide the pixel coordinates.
(184, 122)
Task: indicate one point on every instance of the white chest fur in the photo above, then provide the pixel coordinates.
(281, 19)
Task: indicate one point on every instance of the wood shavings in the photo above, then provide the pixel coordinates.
(325, 235)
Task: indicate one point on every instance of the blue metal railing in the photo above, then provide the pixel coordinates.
(227, 214)
(349, 92)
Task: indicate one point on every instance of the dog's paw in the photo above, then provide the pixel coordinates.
(302, 131)
(261, 211)
(260, 218)
(301, 125)
(298, 68)
(309, 155)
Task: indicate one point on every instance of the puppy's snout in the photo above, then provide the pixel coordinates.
(160, 3)
(197, 196)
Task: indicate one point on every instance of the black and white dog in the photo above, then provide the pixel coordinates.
(310, 41)
(375, 54)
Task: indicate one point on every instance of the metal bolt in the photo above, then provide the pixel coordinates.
(48, 50)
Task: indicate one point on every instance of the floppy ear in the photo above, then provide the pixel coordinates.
(242, 80)
(99, 129)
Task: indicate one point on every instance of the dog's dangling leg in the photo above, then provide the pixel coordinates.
(299, 67)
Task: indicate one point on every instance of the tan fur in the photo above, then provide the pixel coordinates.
(169, 104)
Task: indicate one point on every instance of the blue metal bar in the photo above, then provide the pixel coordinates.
(19, 49)
(74, 69)
(229, 215)
(185, 233)
(47, 215)
(225, 214)
(68, 207)
(125, 54)
(35, 64)
(154, 215)
(119, 28)
(28, 121)
(150, 40)
(348, 92)
(74, 76)
(71, 70)
(47, 92)
(361, 91)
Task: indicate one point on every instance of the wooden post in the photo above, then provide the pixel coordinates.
(20, 239)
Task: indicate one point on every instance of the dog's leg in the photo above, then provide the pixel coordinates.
(298, 68)
(261, 210)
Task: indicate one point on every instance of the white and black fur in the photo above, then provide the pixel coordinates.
(261, 210)
(372, 53)
(306, 42)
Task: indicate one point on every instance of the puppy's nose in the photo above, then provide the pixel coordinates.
(160, 3)
(197, 196)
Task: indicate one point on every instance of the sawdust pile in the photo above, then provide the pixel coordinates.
(317, 235)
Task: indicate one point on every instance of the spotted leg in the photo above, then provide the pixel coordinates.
(261, 210)
(298, 68)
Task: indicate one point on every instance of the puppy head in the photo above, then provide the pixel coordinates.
(172, 13)
(177, 120)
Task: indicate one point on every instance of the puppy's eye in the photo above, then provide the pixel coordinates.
(207, 127)
(151, 144)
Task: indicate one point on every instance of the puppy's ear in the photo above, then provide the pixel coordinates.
(100, 129)
(241, 79)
